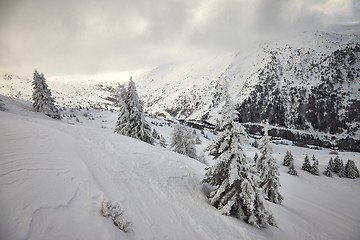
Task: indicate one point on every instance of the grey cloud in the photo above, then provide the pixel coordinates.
(65, 37)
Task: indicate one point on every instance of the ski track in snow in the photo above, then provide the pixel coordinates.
(54, 177)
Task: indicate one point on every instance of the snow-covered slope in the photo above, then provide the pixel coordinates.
(54, 176)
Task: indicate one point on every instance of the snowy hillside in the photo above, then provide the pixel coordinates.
(54, 176)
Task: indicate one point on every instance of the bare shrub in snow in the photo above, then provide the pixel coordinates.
(112, 210)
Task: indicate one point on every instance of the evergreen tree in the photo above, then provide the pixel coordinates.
(2, 106)
(236, 183)
(42, 98)
(139, 127)
(306, 165)
(197, 139)
(123, 122)
(328, 168)
(342, 172)
(288, 158)
(131, 120)
(202, 159)
(315, 166)
(155, 134)
(182, 141)
(256, 156)
(292, 170)
(337, 164)
(162, 141)
(351, 171)
(331, 164)
(268, 170)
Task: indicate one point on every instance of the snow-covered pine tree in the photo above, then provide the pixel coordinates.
(288, 158)
(2, 106)
(306, 165)
(292, 170)
(236, 191)
(197, 139)
(331, 164)
(123, 122)
(202, 159)
(268, 170)
(351, 171)
(139, 127)
(342, 172)
(256, 156)
(328, 168)
(337, 164)
(182, 141)
(315, 166)
(155, 134)
(162, 141)
(117, 93)
(42, 98)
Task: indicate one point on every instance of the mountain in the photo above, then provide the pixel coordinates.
(310, 85)
(55, 174)
(307, 87)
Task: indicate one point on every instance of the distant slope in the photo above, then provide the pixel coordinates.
(55, 174)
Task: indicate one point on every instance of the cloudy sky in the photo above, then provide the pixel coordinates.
(101, 36)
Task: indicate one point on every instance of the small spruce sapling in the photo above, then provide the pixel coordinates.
(328, 168)
(287, 159)
(315, 166)
(337, 164)
(162, 141)
(306, 165)
(292, 170)
(256, 156)
(342, 172)
(351, 171)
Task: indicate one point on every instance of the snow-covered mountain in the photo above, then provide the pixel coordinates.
(55, 174)
(311, 84)
(307, 87)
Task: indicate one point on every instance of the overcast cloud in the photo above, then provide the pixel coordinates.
(92, 36)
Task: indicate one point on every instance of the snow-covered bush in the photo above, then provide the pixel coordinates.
(112, 210)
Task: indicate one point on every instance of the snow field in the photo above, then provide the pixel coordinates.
(54, 176)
